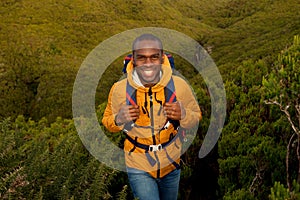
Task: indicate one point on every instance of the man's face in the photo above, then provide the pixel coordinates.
(148, 60)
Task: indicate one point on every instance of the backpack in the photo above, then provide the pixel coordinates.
(170, 96)
(169, 90)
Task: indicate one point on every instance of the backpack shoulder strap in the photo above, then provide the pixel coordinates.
(130, 100)
(130, 95)
(170, 93)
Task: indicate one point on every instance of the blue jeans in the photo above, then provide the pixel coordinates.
(145, 187)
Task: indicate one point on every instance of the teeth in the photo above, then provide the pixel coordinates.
(148, 72)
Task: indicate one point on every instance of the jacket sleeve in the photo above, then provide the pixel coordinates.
(187, 99)
(111, 110)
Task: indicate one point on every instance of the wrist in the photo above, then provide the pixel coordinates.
(117, 121)
(182, 110)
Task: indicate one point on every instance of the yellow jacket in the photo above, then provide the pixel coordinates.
(147, 130)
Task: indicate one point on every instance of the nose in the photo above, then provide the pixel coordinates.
(148, 61)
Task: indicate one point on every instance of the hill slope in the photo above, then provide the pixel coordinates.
(43, 42)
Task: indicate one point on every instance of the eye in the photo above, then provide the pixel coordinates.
(141, 58)
(154, 57)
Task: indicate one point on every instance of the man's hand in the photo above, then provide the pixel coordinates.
(174, 111)
(127, 113)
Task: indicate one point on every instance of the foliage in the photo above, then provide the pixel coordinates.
(279, 192)
(252, 148)
(43, 43)
(47, 161)
(282, 90)
(49, 40)
(282, 84)
(240, 194)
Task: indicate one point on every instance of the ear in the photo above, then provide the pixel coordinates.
(162, 57)
(133, 58)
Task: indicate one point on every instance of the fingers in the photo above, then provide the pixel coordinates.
(133, 113)
(172, 110)
(127, 113)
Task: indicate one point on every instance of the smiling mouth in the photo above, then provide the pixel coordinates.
(148, 72)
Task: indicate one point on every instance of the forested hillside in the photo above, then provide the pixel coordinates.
(255, 45)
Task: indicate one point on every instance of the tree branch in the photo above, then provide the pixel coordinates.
(286, 112)
(296, 133)
(287, 158)
(297, 106)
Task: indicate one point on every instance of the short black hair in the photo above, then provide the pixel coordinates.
(146, 36)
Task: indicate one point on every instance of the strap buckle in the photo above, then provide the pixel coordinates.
(155, 147)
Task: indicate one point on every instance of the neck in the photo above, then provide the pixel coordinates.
(149, 85)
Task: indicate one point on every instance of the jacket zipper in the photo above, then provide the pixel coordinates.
(152, 130)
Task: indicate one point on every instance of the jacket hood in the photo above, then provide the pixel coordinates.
(165, 78)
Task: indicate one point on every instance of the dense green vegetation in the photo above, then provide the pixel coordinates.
(254, 44)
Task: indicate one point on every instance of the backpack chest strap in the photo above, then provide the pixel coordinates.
(157, 147)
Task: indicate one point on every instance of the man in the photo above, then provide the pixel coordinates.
(150, 120)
